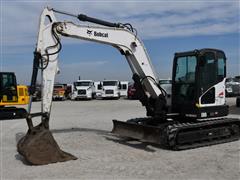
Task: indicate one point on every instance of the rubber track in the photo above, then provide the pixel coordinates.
(10, 113)
(174, 130)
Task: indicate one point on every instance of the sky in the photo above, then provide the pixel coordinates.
(165, 27)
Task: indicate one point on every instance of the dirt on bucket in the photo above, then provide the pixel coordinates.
(38, 147)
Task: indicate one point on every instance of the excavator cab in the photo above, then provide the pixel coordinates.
(198, 84)
(8, 87)
(198, 98)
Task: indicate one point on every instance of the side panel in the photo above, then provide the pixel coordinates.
(23, 97)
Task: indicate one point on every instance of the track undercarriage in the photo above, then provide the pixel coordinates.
(179, 136)
(7, 113)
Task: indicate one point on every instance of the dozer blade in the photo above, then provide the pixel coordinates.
(141, 132)
(38, 147)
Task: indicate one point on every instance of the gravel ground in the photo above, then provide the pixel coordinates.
(82, 128)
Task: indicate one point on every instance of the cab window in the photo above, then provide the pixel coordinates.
(185, 70)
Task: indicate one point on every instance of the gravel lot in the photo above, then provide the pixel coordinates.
(82, 128)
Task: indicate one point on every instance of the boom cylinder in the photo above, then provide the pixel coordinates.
(37, 57)
(83, 17)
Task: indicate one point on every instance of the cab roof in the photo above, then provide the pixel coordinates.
(198, 51)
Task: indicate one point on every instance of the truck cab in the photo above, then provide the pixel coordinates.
(59, 92)
(111, 89)
(232, 87)
(83, 89)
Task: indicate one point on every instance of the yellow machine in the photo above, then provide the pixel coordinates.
(11, 95)
(22, 97)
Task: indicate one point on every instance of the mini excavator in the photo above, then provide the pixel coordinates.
(12, 95)
(196, 117)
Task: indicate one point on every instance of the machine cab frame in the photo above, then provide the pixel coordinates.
(198, 83)
(8, 87)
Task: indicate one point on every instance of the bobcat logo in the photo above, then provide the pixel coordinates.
(97, 34)
(89, 32)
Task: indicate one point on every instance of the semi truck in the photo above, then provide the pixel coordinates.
(83, 89)
(110, 89)
(59, 92)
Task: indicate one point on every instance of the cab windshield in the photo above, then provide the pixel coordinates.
(8, 80)
(110, 83)
(87, 83)
(58, 87)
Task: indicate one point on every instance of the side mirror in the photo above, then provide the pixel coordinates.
(119, 85)
(74, 86)
(100, 86)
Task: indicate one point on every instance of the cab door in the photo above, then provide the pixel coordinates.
(212, 73)
(184, 84)
(211, 84)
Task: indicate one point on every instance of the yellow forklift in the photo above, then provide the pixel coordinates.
(12, 95)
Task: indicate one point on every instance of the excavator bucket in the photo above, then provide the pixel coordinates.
(38, 147)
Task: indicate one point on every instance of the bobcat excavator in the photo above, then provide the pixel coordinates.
(197, 113)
